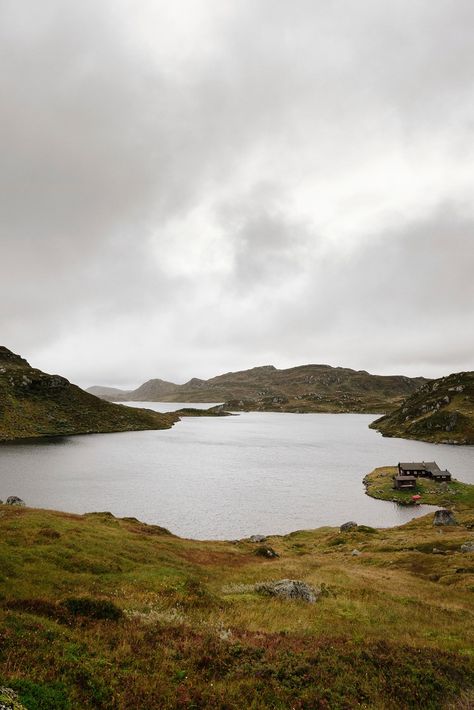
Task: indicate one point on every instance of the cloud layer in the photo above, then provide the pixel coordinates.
(210, 186)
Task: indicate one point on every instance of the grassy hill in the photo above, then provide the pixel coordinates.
(103, 613)
(33, 403)
(441, 411)
(308, 388)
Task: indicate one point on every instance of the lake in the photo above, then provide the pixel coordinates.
(224, 478)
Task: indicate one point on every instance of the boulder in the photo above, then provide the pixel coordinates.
(444, 517)
(289, 589)
(257, 538)
(468, 546)
(14, 500)
(347, 527)
(266, 551)
(356, 553)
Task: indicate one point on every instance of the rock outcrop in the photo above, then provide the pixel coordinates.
(444, 517)
(289, 589)
(14, 500)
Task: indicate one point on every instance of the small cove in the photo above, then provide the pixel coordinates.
(224, 478)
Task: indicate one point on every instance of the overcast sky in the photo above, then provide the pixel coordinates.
(199, 186)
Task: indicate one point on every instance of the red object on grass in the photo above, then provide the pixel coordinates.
(417, 497)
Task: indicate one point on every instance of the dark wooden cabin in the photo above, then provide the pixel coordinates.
(424, 469)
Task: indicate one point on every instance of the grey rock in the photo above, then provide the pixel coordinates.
(356, 553)
(289, 589)
(444, 517)
(468, 546)
(14, 500)
(266, 551)
(347, 527)
(257, 538)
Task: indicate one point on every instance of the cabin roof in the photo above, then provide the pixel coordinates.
(412, 465)
(420, 466)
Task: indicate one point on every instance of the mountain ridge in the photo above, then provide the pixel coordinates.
(303, 388)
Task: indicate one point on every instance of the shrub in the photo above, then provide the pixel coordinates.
(92, 608)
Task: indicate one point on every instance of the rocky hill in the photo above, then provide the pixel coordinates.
(441, 411)
(33, 403)
(307, 388)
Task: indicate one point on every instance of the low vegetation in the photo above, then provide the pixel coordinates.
(104, 613)
(441, 411)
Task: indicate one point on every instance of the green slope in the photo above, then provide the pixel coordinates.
(100, 613)
(441, 411)
(33, 403)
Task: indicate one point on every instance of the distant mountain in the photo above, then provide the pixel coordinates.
(440, 411)
(33, 403)
(307, 388)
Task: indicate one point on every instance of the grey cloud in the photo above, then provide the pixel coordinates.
(292, 130)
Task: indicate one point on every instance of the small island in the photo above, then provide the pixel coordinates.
(380, 483)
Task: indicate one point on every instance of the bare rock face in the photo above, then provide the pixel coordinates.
(14, 500)
(444, 517)
(468, 546)
(289, 589)
(347, 527)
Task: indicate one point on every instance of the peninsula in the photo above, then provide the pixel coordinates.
(36, 404)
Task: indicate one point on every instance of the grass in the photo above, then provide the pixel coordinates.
(100, 612)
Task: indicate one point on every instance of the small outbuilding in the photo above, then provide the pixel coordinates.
(441, 476)
(402, 483)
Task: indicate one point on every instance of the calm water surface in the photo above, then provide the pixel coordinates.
(224, 477)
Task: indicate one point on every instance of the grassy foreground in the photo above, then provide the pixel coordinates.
(99, 612)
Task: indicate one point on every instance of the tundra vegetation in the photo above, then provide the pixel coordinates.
(98, 613)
